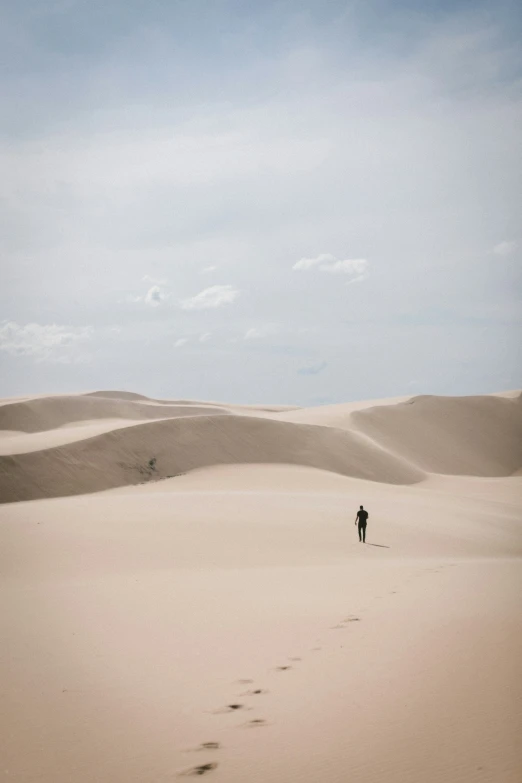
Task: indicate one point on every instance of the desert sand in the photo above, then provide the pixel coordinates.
(183, 591)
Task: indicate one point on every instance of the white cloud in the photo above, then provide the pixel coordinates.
(350, 266)
(205, 336)
(49, 342)
(154, 280)
(504, 248)
(260, 331)
(308, 263)
(154, 296)
(326, 262)
(180, 342)
(207, 269)
(215, 296)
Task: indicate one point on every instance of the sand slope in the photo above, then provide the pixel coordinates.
(480, 436)
(132, 619)
(394, 443)
(227, 623)
(47, 413)
(178, 445)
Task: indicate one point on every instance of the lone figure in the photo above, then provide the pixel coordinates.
(361, 519)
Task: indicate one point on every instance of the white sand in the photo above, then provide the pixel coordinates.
(129, 617)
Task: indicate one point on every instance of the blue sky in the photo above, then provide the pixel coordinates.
(294, 202)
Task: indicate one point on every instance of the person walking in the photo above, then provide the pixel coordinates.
(361, 519)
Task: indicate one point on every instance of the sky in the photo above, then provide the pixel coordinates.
(295, 201)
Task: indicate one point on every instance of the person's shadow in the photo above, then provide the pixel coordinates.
(382, 546)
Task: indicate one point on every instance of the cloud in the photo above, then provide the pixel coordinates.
(154, 280)
(260, 331)
(49, 342)
(308, 263)
(215, 296)
(504, 248)
(154, 296)
(207, 269)
(181, 341)
(204, 337)
(326, 262)
(312, 369)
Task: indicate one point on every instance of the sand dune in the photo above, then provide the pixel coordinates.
(142, 440)
(12, 442)
(123, 395)
(227, 621)
(133, 619)
(337, 415)
(178, 445)
(46, 413)
(112, 394)
(479, 436)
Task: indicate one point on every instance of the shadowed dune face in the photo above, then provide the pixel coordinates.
(390, 443)
(159, 449)
(38, 415)
(479, 436)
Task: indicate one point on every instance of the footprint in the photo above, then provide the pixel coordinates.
(230, 708)
(295, 659)
(245, 682)
(205, 746)
(346, 620)
(256, 692)
(257, 723)
(282, 668)
(201, 769)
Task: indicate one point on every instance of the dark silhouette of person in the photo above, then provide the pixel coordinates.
(361, 520)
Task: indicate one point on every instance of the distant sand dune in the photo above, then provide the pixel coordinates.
(479, 436)
(337, 415)
(178, 445)
(57, 446)
(46, 413)
(123, 395)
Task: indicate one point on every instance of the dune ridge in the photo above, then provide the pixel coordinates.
(471, 436)
(46, 413)
(123, 395)
(388, 441)
(397, 443)
(161, 449)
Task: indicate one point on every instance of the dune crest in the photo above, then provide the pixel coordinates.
(471, 436)
(46, 413)
(161, 449)
(145, 440)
